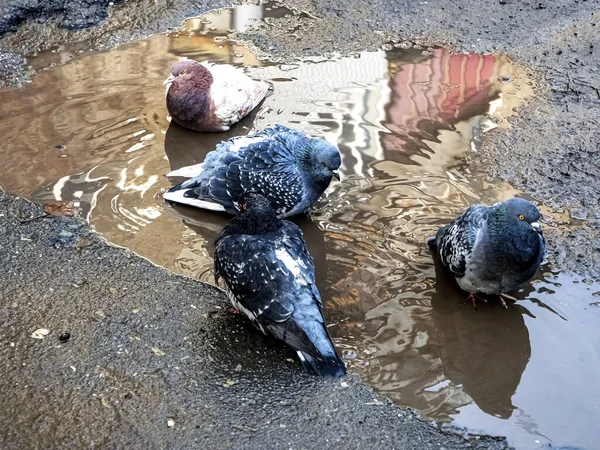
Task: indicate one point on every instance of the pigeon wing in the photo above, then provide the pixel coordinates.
(455, 241)
(234, 93)
(264, 275)
(295, 245)
(269, 168)
(260, 162)
(255, 278)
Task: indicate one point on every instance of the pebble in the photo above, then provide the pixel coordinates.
(40, 333)
(157, 351)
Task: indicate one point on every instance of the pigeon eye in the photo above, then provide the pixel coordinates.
(182, 72)
(521, 217)
(324, 165)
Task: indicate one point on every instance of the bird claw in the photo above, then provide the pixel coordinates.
(502, 301)
(234, 311)
(473, 298)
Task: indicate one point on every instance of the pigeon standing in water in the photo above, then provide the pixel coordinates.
(285, 166)
(492, 249)
(210, 97)
(269, 276)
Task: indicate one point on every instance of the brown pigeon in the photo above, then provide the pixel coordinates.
(211, 97)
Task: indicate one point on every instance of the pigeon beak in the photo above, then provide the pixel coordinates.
(169, 80)
(336, 174)
(537, 227)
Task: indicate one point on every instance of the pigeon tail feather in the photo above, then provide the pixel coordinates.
(332, 367)
(327, 362)
(177, 194)
(187, 171)
(187, 185)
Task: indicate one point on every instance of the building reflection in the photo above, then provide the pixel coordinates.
(433, 95)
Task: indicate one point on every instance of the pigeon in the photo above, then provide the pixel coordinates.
(211, 97)
(492, 250)
(284, 165)
(269, 276)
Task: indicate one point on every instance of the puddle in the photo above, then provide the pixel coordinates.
(92, 129)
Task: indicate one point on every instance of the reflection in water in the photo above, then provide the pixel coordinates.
(184, 148)
(404, 118)
(484, 350)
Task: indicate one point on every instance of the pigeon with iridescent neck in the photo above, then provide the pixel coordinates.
(288, 168)
(492, 249)
(211, 97)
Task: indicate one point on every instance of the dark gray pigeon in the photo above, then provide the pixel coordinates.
(285, 166)
(269, 276)
(211, 97)
(492, 249)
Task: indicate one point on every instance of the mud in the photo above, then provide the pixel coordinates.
(72, 15)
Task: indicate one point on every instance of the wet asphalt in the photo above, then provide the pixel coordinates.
(155, 360)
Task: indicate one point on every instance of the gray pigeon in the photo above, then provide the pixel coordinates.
(211, 97)
(284, 165)
(492, 249)
(270, 277)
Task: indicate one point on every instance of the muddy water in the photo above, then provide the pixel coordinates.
(92, 128)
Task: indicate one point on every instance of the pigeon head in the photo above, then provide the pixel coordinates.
(323, 161)
(252, 202)
(188, 92)
(189, 74)
(256, 216)
(523, 213)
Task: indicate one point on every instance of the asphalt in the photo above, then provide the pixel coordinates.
(148, 349)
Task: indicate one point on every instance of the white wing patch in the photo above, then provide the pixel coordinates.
(301, 356)
(244, 141)
(295, 266)
(187, 172)
(177, 197)
(234, 93)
